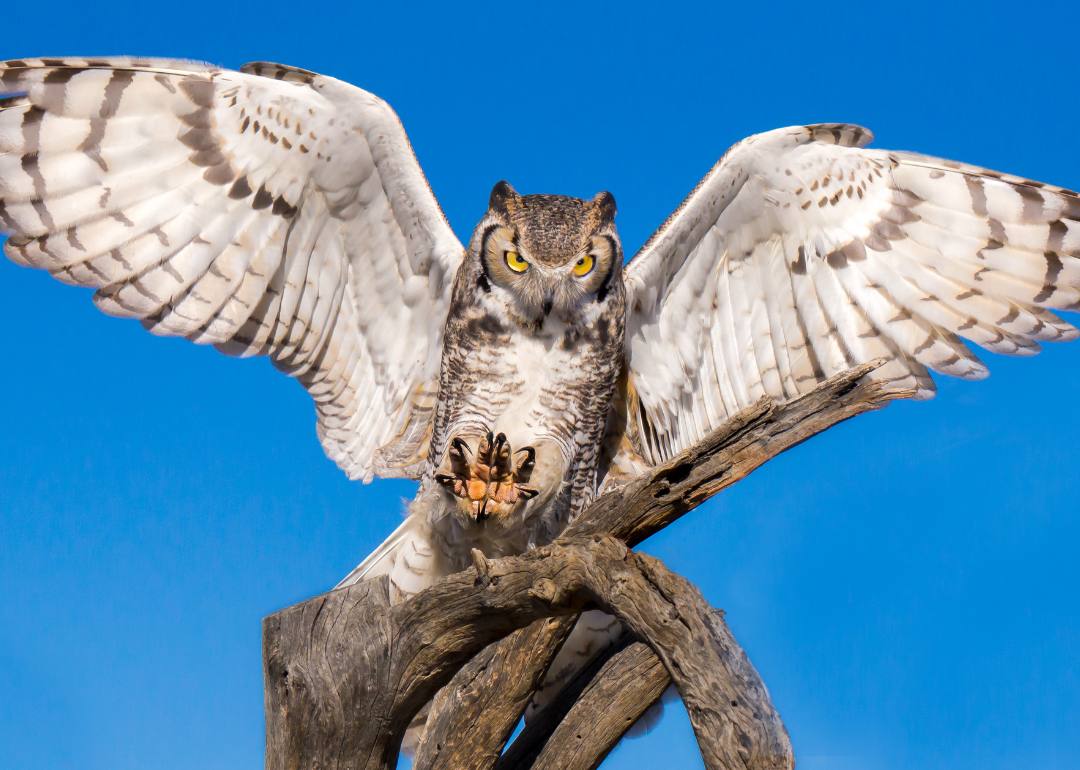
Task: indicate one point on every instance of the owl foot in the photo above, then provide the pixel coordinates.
(490, 481)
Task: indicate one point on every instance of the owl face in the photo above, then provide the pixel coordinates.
(546, 257)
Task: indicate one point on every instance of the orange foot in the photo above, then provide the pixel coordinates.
(489, 477)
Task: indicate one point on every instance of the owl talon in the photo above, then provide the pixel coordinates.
(524, 470)
(488, 482)
(459, 457)
(460, 445)
(484, 451)
(501, 454)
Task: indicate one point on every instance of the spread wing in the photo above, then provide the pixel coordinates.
(271, 211)
(802, 254)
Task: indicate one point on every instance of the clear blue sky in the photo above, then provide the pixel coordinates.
(906, 584)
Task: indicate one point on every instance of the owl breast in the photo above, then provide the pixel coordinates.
(547, 387)
(544, 376)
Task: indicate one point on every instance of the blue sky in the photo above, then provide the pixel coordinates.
(906, 584)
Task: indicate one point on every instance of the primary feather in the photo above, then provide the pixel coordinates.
(267, 212)
(802, 254)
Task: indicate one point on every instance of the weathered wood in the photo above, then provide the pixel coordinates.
(592, 712)
(444, 747)
(730, 453)
(467, 729)
(345, 672)
(325, 671)
(729, 706)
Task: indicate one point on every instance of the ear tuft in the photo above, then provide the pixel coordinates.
(604, 203)
(501, 194)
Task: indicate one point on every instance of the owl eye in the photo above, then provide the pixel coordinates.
(584, 265)
(515, 262)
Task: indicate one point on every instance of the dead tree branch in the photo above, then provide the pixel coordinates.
(642, 508)
(345, 672)
(321, 706)
(495, 686)
(729, 454)
(592, 712)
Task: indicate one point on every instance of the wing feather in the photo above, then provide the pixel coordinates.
(270, 211)
(803, 253)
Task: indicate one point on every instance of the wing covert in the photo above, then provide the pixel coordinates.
(270, 211)
(802, 254)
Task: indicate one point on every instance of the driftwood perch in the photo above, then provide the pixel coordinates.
(592, 712)
(495, 685)
(345, 672)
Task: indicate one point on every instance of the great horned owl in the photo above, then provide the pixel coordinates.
(278, 212)
(531, 356)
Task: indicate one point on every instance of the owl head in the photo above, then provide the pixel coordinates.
(542, 257)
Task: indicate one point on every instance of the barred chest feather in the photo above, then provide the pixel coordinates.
(547, 387)
(549, 370)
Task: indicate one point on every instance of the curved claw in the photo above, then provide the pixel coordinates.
(454, 483)
(485, 448)
(502, 468)
(459, 458)
(524, 469)
(489, 480)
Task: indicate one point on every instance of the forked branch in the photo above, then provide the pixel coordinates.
(345, 672)
(413, 649)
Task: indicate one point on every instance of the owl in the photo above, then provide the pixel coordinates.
(276, 212)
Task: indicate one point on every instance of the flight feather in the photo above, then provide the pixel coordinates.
(803, 253)
(270, 211)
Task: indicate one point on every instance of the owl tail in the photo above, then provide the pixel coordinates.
(408, 556)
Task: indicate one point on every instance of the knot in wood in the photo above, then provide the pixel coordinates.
(545, 590)
(481, 563)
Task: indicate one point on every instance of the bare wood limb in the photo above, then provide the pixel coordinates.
(591, 713)
(445, 747)
(325, 711)
(315, 689)
(345, 672)
(647, 505)
(729, 454)
(729, 706)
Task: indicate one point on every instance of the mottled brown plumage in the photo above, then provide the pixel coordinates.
(536, 360)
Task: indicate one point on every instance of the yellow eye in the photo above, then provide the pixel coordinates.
(584, 265)
(515, 262)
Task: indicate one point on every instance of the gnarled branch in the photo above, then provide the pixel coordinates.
(591, 712)
(346, 672)
(495, 686)
(322, 707)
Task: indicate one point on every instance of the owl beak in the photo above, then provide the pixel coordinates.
(546, 308)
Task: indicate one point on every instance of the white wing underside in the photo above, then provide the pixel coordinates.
(801, 254)
(267, 212)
